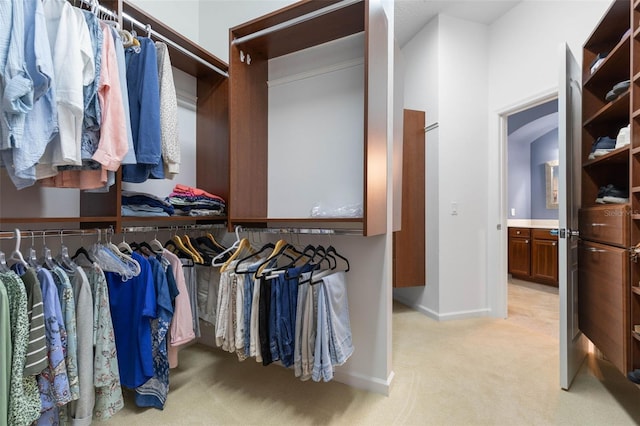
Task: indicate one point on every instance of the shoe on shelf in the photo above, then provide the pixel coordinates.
(634, 376)
(617, 90)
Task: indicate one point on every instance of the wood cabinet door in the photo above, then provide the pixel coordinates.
(544, 261)
(520, 256)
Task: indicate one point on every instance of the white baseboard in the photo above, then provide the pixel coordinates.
(443, 317)
(359, 381)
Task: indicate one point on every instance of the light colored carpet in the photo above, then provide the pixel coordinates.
(480, 371)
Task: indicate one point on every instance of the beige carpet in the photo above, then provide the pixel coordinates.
(468, 372)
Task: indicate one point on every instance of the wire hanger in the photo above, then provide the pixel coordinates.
(16, 255)
(217, 261)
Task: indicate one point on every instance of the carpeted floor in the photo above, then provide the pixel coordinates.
(480, 371)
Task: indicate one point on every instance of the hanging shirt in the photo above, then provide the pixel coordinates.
(68, 307)
(168, 113)
(144, 107)
(24, 397)
(79, 411)
(133, 305)
(53, 382)
(154, 392)
(92, 117)
(5, 352)
(130, 157)
(106, 375)
(73, 64)
(181, 331)
(17, 91)
(37, 350)
(42, 121)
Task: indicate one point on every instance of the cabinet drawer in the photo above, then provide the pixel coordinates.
(519, 232)
(606, 224)
(543, 234)
(603, 309)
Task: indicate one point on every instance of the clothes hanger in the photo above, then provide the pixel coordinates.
(124, 246)
(244, 245)
(126, 259)
(155, 245)
(244, 259)
(218, 260)
(281, 245)
(187, 242)
(3, 263)
(16, 255)
(63, 259)
(47, 259)
(32, 258)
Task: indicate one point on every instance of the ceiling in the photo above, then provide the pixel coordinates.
(412, 15)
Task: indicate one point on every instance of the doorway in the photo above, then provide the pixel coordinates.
(531, 203)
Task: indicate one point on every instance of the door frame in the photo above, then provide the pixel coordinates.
(500, 284)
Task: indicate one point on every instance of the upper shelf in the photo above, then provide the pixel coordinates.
(288, 30)
(613, 69)
(617, 110)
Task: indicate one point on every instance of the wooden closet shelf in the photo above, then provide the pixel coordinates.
(83, 219)
(636, 76)
(635, 114)
(635, 150)
(616, 60)
(199, 219)
(636, 4)
(635, 216)
(616, 110)
(618, 156)
(636, 33)
(636, 335)
(635, 289)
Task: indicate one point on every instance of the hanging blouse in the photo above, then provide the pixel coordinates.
(24, 397)
(37, 350)
(168, 114)
(106, 374)
(5, 352)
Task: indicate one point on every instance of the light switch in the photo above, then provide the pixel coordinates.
(454, 209)
(513, 211)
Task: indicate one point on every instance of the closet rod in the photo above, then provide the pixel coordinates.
(198, 227)
(295, 21)
(156, 34)
(310, 231)
(9, 235)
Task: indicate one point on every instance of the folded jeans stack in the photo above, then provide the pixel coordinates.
(611, 194)
(142, 204)
(190, 201)
(624, 137)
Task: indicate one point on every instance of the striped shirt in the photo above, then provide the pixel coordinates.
(37, 349)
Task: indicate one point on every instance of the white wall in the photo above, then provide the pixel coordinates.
(186, 22)
(461, 61)
(421, 92)
(523, 65)
(462, 74)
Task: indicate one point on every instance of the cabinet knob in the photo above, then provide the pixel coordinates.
(518, 232)
(553, 243)
(526, 241)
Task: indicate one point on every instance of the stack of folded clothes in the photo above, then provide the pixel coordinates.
(624, 136)
(189, 201)
(141, 204)
(611, 194)
(601, 146)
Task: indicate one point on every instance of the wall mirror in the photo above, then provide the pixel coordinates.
(551, 173)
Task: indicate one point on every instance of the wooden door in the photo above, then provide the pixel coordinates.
(409, 253)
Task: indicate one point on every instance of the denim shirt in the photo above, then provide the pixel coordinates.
(144, 105)
(17, 96)
(42, 121)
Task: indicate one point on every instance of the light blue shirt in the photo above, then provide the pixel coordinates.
(42, 121)
(17, 96)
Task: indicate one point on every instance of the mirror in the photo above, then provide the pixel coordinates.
(551, 173)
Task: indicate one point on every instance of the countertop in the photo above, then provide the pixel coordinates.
(532, 223)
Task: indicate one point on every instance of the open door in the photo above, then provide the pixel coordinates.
(573, 346)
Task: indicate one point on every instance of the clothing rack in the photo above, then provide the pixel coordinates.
(151, 32)
(197, 227)
(310, 231)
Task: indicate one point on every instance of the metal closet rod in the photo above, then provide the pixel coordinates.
(197, 227)
(8, 235)
(310, 231)
(295, 21)
(150, 31)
